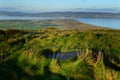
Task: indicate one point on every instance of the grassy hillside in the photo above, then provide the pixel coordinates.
(64, 24)
(22, 54)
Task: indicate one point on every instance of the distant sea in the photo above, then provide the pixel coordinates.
(104, 22)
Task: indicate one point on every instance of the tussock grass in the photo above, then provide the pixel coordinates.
(98, 60)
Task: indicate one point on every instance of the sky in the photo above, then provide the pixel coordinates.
(60, 5)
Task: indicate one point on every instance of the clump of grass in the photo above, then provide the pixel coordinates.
(54, 67)
(32, 63)
(80, 69)
(102, 72)
(112, 74)
(99, 68)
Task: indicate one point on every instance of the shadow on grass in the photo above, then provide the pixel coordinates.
(112, 61)
(9, 70)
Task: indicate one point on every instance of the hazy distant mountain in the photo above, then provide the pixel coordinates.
(68, 14)
(107, 10)
(111, 10)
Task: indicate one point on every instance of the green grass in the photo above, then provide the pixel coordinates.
(64, 24)
(25, 24)
(22, 54)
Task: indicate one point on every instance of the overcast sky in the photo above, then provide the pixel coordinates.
(58, 5)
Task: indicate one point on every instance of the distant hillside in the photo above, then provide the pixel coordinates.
(69, 24)
(64, 24)
(65, 14)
